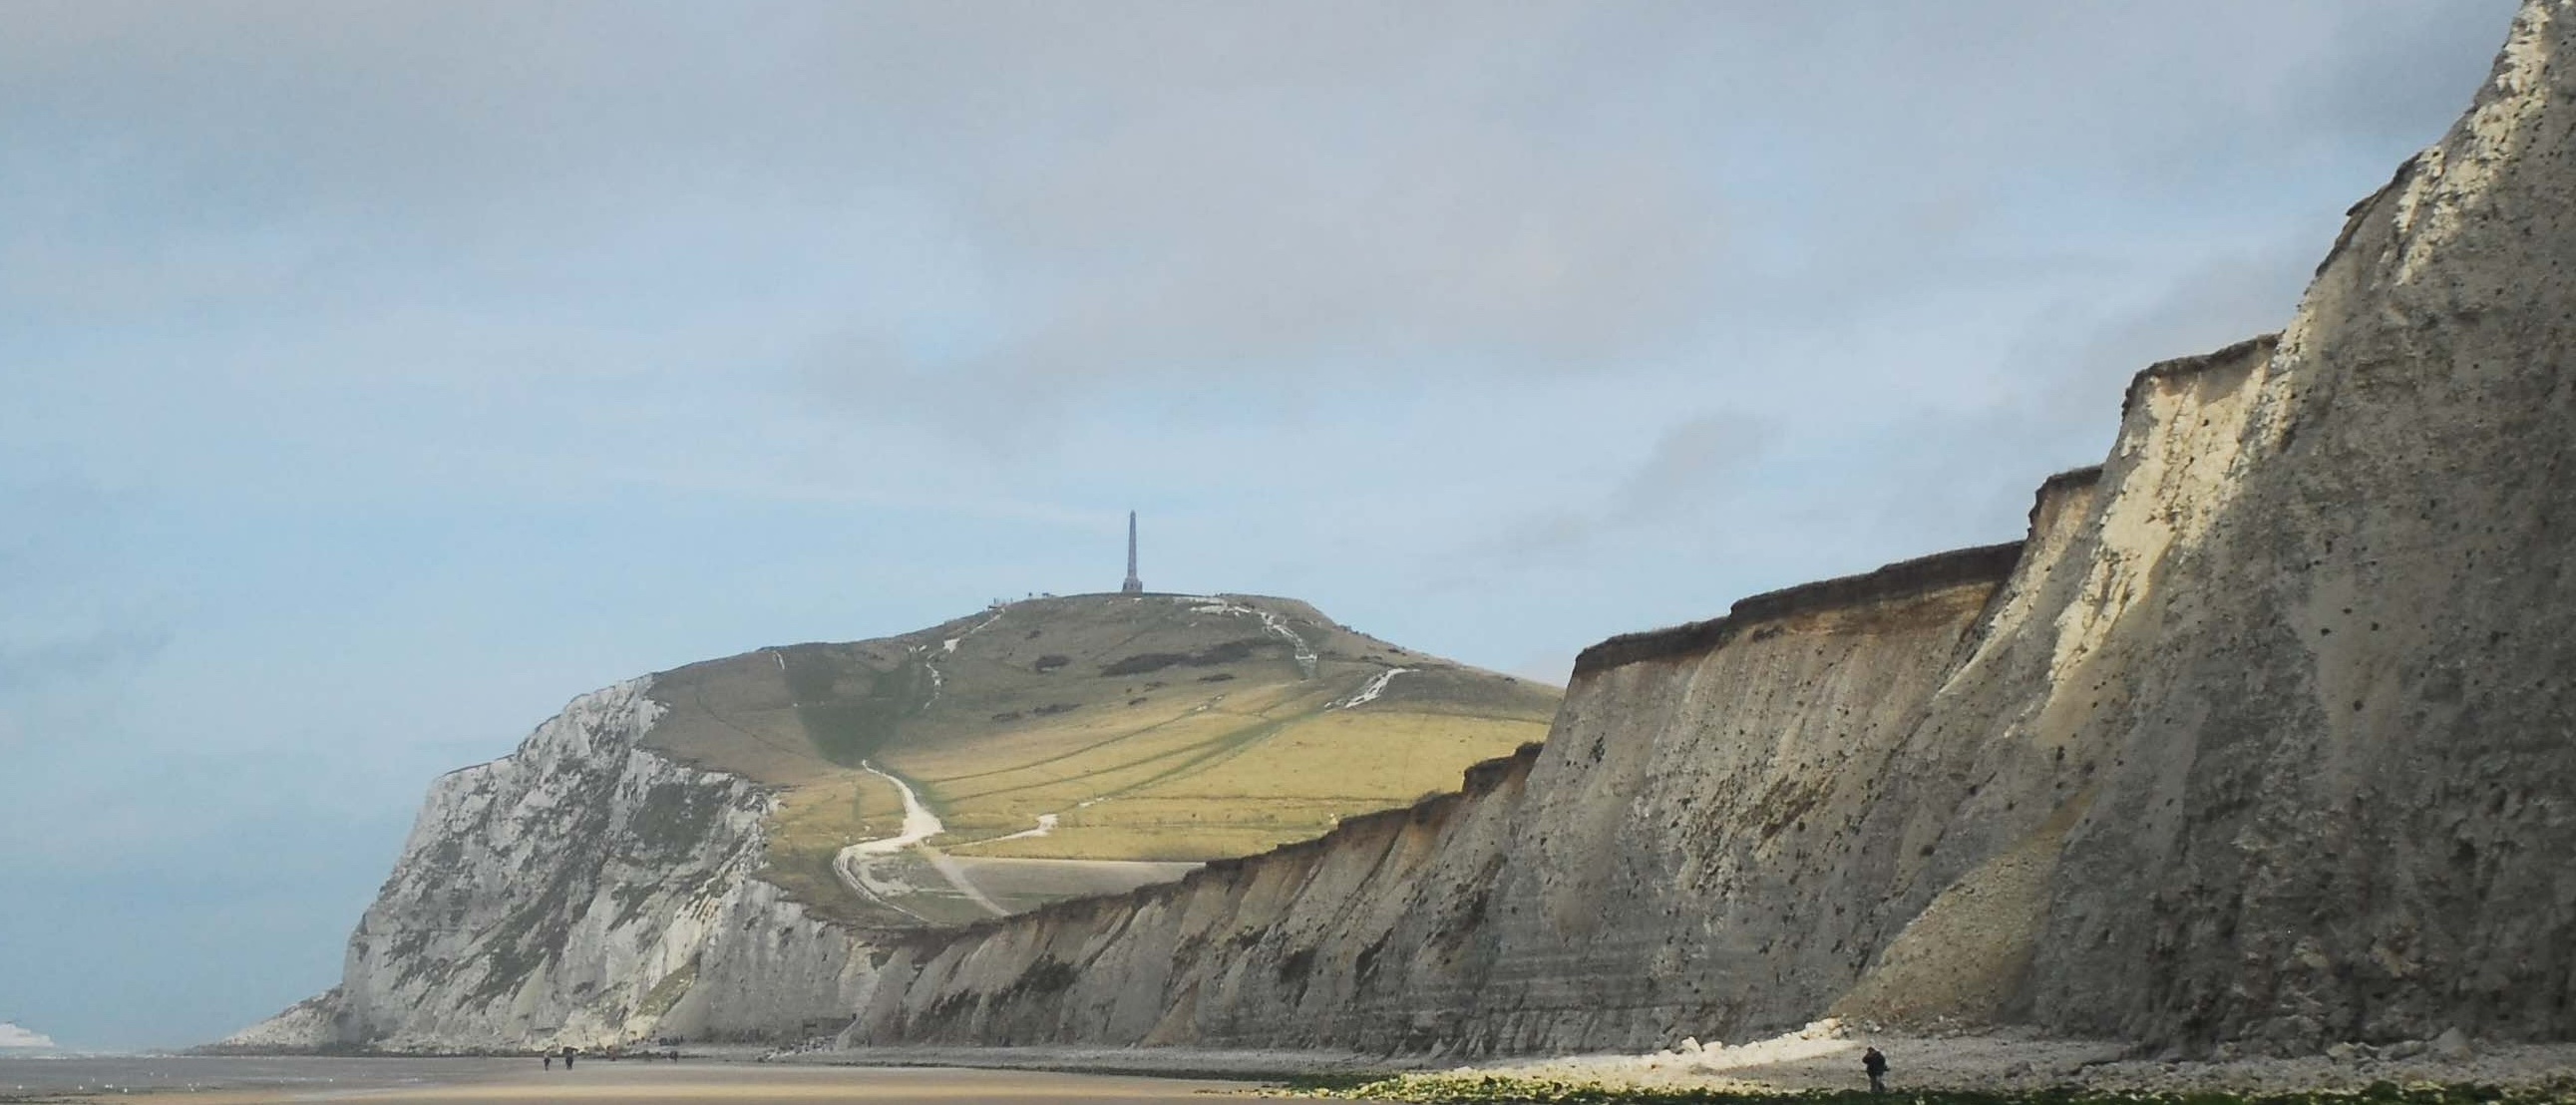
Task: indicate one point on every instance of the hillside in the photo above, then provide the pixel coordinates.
(1076, 745)
(718, 849)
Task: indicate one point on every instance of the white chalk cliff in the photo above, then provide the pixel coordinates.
(583, 890)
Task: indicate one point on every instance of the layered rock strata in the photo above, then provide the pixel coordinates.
(1645, 869)
(2265, 734)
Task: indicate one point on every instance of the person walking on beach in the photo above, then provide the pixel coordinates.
(550, 1060)
(567, 1056)
(1876, 1064)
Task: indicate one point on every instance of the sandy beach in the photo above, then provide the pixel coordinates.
(490, 1082)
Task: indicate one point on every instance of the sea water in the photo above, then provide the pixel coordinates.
(25, 1076)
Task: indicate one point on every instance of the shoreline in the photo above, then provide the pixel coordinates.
(1231, 1065)
(1822, 1057)
(413, 1080)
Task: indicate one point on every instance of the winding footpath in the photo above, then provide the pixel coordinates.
(857, 864)
(1270, 622)
(1368, 694)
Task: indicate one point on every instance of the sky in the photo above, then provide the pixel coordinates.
(375, 377)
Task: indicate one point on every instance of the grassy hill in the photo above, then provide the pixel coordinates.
(1077, 745)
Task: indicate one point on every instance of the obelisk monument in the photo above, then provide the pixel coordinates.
(1133, 586)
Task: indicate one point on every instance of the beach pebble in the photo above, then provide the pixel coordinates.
(2452, 1044)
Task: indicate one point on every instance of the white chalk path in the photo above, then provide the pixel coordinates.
(1368, 694)
(939, 679)
(863, 866)
(1046, 825)
(858, 864)
(1210, 604)
(919, 824)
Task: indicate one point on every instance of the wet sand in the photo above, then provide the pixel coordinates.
(729, 1084)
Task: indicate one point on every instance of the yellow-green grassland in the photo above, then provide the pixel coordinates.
(1077, 745)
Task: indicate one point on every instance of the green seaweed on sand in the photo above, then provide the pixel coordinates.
(1488, 1089)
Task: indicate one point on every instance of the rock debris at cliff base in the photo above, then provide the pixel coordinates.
(1826, 1057)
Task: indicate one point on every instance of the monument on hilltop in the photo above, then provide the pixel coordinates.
(1133, 586)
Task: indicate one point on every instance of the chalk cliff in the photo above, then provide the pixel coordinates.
(717, 851)
(2264, 735)
(583, 890)
(1659, 866)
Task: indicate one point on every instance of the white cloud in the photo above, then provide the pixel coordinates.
(14, 1037)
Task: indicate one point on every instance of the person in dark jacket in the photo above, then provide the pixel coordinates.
(1876, 1064)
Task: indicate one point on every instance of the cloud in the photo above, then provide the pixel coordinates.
(1024, 212)
(50, 662)
(70, 614)
(12, 1036)
(1690, 468)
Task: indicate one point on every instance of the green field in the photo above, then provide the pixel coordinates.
(1155, 729)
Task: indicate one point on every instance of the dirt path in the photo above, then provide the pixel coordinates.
(861, 865)
(1270, 623)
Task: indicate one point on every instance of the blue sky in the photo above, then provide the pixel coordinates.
(374, 377)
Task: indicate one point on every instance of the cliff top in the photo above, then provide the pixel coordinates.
(1983, 564)
(1113, 736)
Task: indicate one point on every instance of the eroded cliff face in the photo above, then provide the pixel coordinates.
(585, 891)
(1670, 860)
(2340, 787)
(2264, 735)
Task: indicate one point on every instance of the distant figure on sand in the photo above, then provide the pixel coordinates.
(1871, 1061)
(567, 1054)
(550, 1060)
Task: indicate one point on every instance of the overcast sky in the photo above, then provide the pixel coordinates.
(374, 377)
